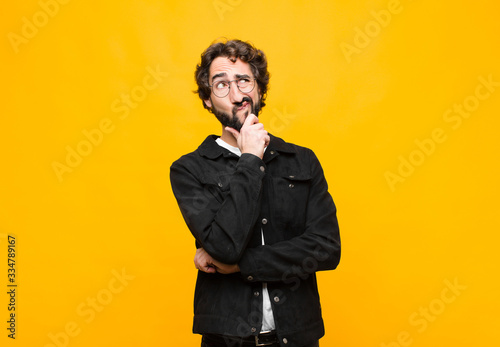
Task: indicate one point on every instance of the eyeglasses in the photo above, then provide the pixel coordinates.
(221, 87)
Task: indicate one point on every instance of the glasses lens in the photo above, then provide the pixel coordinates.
(246, 85)
(220, 88)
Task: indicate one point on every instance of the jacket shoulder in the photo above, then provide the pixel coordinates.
(206, 146)
(288, 147)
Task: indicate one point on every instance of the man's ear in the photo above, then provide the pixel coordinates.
(208, 103)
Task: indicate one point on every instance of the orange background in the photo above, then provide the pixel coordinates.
(414, 181)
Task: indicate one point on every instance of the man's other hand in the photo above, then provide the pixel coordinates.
(204, 262)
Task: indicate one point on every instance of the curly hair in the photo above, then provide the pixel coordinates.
(233, 50)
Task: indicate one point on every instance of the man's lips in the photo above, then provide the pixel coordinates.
(245, 104)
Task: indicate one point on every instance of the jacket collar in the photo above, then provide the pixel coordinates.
(210, 149)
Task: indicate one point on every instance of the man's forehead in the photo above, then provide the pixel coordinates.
(224, 65)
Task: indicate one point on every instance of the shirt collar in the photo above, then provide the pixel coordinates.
(210, 149)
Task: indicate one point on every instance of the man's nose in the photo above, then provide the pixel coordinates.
(235, 95)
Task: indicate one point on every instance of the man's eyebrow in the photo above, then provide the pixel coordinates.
(221, 74)
(242, 76)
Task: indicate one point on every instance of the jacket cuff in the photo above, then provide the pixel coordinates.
(252, 163)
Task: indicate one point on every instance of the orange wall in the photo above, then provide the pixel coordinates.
(399, 99)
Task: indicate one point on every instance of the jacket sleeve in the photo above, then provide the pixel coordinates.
(316, 249)
(222, 226)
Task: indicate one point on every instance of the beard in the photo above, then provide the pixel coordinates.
(232, 120)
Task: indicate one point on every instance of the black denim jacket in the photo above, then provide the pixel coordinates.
(226, 200)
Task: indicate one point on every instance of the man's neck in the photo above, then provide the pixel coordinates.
(228, 138)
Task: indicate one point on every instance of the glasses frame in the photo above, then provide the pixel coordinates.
(229, 88)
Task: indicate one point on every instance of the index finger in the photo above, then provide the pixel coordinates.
(251, 119)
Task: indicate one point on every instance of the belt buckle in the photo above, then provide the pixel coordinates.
(257, 343)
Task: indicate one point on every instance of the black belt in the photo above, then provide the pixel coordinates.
(263, 339)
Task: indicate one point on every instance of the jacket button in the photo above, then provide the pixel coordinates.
(219, 184)
(264, 221)
(256, 293)
(285, 340)
(262, 169)
(276, 299)
(291, 185)
(250, 278)
(272, 152)
(253, 329)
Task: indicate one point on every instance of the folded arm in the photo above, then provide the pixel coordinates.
(221, 222)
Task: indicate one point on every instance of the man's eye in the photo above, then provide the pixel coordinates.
(243, 81)
(221, 85)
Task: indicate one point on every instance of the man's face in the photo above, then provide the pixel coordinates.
(232, 109)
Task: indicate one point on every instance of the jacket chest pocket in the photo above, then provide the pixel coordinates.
(216, 184)
(290, 198)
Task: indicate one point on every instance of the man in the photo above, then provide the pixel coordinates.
(260, 212)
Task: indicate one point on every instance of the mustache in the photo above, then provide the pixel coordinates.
(239, 104)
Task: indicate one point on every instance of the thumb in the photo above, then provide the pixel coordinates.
(235, 132)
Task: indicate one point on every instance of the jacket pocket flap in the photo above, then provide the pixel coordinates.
(219, 180)
(298, 177)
